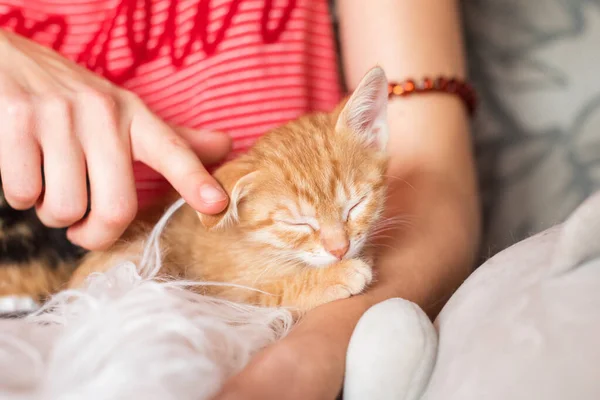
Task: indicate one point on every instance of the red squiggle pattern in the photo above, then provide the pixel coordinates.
(140, 49)
(14, 18)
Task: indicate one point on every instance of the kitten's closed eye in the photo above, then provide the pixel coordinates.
(354, 208)
(309, 223)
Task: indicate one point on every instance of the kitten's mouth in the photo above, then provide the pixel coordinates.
(324, 259)
(319, 261)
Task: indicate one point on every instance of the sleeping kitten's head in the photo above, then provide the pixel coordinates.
(314, 188)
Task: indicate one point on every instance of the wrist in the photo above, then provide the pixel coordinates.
(429, 132)
(440, 84)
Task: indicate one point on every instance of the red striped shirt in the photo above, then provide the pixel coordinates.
(238, 66)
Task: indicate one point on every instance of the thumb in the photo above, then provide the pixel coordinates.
(210, 146)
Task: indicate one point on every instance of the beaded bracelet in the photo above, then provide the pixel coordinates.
(440, 85)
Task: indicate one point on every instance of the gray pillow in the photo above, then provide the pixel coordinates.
(535, 65)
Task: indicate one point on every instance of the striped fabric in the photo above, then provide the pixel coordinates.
(239, 66)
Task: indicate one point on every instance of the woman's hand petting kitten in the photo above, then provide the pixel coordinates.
(60, 118)
(304, 203)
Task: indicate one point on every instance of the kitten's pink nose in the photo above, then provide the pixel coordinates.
(339, 251)
(335, 241)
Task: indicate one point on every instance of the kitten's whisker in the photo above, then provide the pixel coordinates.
(387, 227)
(397, 178)
(391, 228)
(271, 262)
(395, 220)
(383, 237)
(394, 225)
(382, 245)
(262, 274)
(402, 217)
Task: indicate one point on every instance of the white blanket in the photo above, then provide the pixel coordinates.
(127, 336)
(524, 326)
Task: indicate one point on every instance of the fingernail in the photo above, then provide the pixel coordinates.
(212, 194)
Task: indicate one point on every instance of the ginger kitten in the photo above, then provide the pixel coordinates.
(303, 202)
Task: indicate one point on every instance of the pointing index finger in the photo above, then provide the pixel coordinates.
(154, 143)
(210, 146)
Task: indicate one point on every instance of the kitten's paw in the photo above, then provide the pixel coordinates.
(355, 276)
(359, 275)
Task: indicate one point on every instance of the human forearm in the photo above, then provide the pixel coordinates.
(431, 172)
(425, 258)
(407, 38)
(411, 39)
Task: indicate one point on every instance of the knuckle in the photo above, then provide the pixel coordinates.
(55, 104)
(97, 244)
(174, 148)
(130, 98)
(22, 197)
(179, 156)
(97, 98)
(56, 111)
(85, 239)
(105, 101)
(16, 106)
(119, 215)
(94, 245)
(62, 214)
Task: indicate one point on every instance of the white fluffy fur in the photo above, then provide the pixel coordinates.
(127, 335)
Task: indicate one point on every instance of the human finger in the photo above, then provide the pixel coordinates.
(20, 158)
(64, 201)
(210, 146)
(154, 143)
(110, 171)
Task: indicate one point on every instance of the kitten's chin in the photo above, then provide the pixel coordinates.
(318, 260)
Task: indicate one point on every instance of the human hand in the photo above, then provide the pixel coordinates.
(61, 120)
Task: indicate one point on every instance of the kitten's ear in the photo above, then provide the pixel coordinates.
(236, 179)
(365, 112)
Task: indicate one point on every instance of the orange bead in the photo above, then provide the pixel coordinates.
(398, 90)
(427, 83)
(440, 84)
